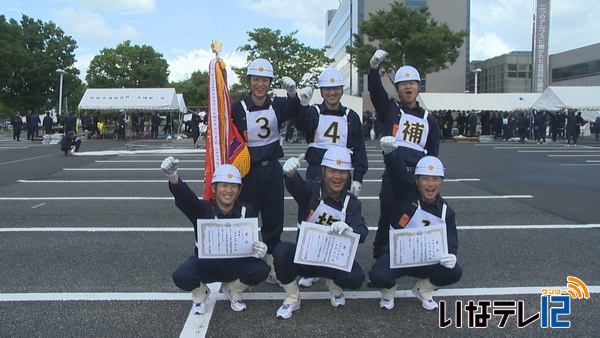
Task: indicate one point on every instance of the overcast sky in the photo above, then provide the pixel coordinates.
(182, 30)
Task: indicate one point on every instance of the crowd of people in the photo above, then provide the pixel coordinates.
(327, 195)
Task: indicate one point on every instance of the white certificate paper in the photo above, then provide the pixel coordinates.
(417, 246)
(317, 247)
(227, 237)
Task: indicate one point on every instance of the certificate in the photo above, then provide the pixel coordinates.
(227, 237)
(317, 247)
(417, 246)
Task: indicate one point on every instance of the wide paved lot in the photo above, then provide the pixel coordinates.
(88, 243)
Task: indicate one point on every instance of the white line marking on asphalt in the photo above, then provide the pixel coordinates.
(37, 206)
(579, 165)
(566, 155)
(24, 159)
(197, 325)
(289, 229)
(193, 181)
(144, 198)
(248, 295)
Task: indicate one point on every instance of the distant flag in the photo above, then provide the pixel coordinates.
(224, 144)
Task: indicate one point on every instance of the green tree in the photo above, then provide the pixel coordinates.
(410, 36)
(128, 66)
(288, 56)
(194, 89)
(31, 51)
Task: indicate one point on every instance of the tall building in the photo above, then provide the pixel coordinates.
(343, 22)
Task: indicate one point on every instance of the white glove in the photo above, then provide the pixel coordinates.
(388, 144)
(339, 227)
(288, 84)
(292, 164)
(169, 166)
(305, 94)
(377, 58)
(355, 188)
(260, 249)
(448, 261)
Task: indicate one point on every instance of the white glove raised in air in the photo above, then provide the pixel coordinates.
(305, 94)
(378, 58)
(260, 249)
(288, 84)
(292, 164)
(388, 144)
(448, 261)
(339, 227)
(355, 188)
(169, 166)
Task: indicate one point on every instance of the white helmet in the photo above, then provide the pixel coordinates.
(337, 158)
(260, 67)
(331, 77)
(407, 73)
(429, 166)
(226, 173)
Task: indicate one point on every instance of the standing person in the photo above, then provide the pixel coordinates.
(416, 131)
(195, 128)
(522, 126)
(472, 124)
(460, 121)
(325, 201)
(505, 127)
(329, 125)
(28, 124)
(95, 120)
(417, 203)
(155, 121)
(236, 274)
(553, 123)
(571, 129)
(17, 124)
(597, 127)
(367, 124)
(47, 123)
(70, 143)
(35, 124)
(142, 126)
(258, 117)
(70, 122)
(539, 123)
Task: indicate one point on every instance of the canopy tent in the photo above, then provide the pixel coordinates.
(181, 102)
(477, 102)
(558, 98)
(136, 99)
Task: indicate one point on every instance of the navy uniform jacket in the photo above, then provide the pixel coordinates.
(307, 121)
(389, 114)
(406, 195)
(285, 109)
(306, 194)
(194, 208)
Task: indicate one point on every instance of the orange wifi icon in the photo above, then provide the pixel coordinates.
(577, 288)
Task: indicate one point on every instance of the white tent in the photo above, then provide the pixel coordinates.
(558, 98)
(136, 99)
(476, 102)
(181, 101)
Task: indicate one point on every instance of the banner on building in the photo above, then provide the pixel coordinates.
(540, 75)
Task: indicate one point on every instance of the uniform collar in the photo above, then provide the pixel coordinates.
(250, 103)
(340, 111)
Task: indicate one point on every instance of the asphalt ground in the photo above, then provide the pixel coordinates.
(88, 243)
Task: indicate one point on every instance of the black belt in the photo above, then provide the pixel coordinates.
(265, 163)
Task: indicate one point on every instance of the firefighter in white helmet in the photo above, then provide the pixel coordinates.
(325, 201)
(416, 203)
(328, 125)
(236, 274)
(257, 118)
(416, 131)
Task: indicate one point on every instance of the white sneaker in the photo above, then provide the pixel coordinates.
(338, 300)
(386, 304)
(236, 305)
(307, 281)
(426, 300)
(200, 308)
(285, 311)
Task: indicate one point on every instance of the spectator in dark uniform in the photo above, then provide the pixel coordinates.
(17, 124)
(47, 123)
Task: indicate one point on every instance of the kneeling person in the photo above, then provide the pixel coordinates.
(236, 274)
(323, 201)
(417, 203)
(70, 143)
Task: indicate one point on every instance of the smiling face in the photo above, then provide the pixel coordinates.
(429, 187)
(335, 180)
(407, 92)
(226, 194)
(332, 96)
(259, 86)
